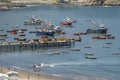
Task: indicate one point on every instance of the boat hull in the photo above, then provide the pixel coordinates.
(44, 33)
(97, 31)
(66, 23)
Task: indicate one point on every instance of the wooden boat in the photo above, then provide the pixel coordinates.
(87, 46)
(3, 35)
(53, 53)
(115, 53)
(22, 34)
(23, 29)
(75, 49)
(32, 31)
(111, 37)
(101, 37)
(13, 32)
(62, 32)
(20, 39)
(83, 33)
(76, 34)
(78, 39)
(44, 36)
(66, 23)
(108, 43)
(89, 54)
(90, 57)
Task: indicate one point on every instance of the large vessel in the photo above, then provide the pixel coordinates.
(45, 32)
(99, 28)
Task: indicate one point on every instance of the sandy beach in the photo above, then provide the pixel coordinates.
(23, 75)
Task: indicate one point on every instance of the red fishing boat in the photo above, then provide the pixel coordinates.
(66, 23)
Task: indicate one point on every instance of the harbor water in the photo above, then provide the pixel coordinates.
(68, 64)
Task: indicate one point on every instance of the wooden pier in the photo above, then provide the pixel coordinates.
(6, 46)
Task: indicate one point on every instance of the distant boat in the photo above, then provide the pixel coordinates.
(90, 57)
(98, 29)
(57, 29)
(66, 23)
(75, 49)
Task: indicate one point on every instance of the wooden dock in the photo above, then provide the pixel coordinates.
(6, 46)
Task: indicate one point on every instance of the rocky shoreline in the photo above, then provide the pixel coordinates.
(87, 3)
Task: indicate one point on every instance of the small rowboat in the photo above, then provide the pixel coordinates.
(3, 35)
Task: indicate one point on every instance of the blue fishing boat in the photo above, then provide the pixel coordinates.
(45, 32)
(98, 29)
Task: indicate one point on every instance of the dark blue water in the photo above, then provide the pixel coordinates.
(73, 63)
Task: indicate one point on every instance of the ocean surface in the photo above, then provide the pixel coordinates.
(68, 64)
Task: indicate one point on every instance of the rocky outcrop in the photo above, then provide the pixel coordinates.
(96, 2)
(73, 2)
(111, 2)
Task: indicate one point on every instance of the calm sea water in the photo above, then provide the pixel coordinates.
(73, 63)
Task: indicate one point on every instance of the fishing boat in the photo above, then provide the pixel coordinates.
(45, 32)
(67, 22)
(4, 35)
(32, 21)
(99, 28)
(75, 49)
(20, 39)
(57, 29)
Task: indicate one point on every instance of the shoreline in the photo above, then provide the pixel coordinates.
(26, 75)
(52, 4)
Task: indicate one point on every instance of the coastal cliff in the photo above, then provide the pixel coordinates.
(74, 2)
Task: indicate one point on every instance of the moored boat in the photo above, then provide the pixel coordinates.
(45, 32)
(20, 39)
(68, 22)
(3, 35)
(100, 28)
